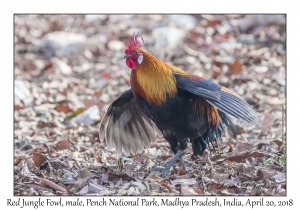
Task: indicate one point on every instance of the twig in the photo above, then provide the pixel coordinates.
(52, 185)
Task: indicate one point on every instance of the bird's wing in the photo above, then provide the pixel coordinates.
(125, 127)
(219, 96)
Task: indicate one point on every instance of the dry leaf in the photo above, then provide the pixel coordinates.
(269, 173)
(235, 67)
(197, 190)
(61, 145)
(38, 157)
(84, 190)
(163, 156)
(116, 177)
(243, 157)
(183, 172)
(63, 108)
(17, 160)
(94, 188)
(166, 186)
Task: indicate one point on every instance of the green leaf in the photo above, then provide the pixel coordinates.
(268, 161)
(75, 113)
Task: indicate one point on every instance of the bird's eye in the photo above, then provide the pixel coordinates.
(136, 52)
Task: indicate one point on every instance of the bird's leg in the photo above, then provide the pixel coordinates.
(166, 170)
(183, 164)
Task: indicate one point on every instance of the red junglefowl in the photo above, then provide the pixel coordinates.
(181, 106)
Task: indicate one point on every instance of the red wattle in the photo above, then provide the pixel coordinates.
(135, 65)
(129, 63)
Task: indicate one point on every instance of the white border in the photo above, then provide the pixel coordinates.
(149, 6)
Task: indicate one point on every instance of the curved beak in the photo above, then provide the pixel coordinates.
(126, 56)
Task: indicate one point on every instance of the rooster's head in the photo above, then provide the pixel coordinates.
(133, 55)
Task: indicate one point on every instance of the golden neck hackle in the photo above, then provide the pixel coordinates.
(154, 79)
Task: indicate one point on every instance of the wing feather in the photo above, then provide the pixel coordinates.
(126, 128)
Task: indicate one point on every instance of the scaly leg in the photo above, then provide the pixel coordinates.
(166, 170)
(183, 164)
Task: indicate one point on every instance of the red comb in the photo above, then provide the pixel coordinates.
(136, 41)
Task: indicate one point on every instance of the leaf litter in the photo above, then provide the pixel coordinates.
(65, 81)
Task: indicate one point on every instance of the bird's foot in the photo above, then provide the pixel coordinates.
(166, 170)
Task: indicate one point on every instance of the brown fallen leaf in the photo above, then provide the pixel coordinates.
(218, 157)
(63, 108)
(183, 172)
(216, 71)
(106, 75)
(235, 67)
(61, 145)
(197, 190)
(163, 156)
(269, 173)
(242, 157)
(165, 185)
(223, 36)
(17, 160)
(213, 22)
(278, 142)
(116, 177)
(38, 157)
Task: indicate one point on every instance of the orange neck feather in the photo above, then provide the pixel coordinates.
(154, 79)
